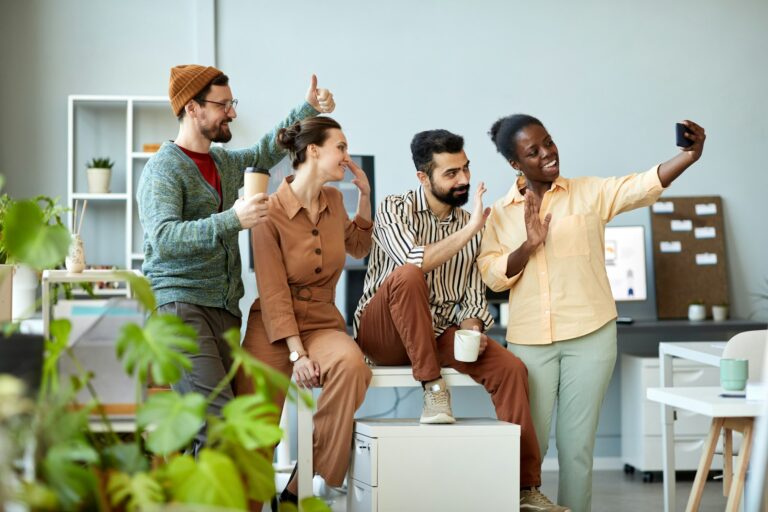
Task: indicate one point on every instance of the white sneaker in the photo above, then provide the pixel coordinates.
(437, 403)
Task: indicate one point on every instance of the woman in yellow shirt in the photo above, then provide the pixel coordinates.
(544, 242)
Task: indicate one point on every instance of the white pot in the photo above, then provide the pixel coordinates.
(24, 292)
(719, 313)
(98, 180)
(6, 292)
(697, 312)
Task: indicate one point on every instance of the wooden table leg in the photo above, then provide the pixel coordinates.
(694, 500)
(737, 487)
(727, 460)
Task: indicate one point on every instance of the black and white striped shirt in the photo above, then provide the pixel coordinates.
(404, 225)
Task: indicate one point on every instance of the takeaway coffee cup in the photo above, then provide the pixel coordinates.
(256, 181)
(734, 374)
(466, 345)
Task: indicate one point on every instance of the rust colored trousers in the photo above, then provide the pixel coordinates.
(396, 329)
(344, 376)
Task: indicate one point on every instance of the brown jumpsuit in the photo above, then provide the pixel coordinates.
(298, 264)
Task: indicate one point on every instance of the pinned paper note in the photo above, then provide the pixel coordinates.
(705, 232)
(663, 207)
(706, 258)
(681, 225)
(674, 246)
(706, 209)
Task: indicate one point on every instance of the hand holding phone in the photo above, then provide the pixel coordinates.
(682, 140)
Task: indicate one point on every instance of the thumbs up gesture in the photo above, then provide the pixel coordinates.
(320, 99)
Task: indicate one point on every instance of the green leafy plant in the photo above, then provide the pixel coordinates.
(32, 232)
(231, 470)
(100, 163)
(60, 462)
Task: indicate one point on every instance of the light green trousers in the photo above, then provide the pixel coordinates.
(575, 374)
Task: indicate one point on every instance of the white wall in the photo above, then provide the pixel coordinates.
(608, 79)
(53, 48)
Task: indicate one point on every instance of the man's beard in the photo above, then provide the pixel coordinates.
(449, 196)
(217, 134)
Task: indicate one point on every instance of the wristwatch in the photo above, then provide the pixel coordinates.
(295, 356)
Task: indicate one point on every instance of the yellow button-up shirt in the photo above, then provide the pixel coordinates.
(563, 291)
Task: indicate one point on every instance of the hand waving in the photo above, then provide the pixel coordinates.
(479, 214)
(320, 99)
(535, 228)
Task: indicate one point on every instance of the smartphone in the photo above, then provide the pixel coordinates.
(682, 140)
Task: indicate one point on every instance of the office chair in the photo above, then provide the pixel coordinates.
(758, 466)
(748, 345)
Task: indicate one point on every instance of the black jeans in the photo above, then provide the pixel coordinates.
(211, 364)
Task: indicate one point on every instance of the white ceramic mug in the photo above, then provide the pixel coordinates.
(466, 345)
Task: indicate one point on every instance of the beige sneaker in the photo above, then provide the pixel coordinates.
(533, 500)
(437, 403)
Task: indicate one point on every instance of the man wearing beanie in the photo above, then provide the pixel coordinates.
(191, 215)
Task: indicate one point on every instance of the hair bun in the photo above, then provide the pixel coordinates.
(494, 131)
(286, 137)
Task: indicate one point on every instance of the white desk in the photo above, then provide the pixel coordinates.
(383, 376)
(707, 401)
(86, 276)
(705, 352)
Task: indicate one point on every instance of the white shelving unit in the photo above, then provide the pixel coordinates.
(114, 127)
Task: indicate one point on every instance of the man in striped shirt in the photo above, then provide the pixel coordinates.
(423, 284)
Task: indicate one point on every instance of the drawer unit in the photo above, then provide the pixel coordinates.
(641, 445)
(647, 455)
(401, 465)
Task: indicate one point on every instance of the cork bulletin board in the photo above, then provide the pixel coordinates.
(688, 254)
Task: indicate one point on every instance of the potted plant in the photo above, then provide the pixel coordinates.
(697, 311)
(32, 237)
(720, 312)
(99, 172)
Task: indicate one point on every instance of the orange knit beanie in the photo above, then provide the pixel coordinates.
(186, 81)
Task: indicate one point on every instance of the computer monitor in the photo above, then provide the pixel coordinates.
(625, 262)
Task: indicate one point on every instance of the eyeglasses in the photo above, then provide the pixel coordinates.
(228, 105)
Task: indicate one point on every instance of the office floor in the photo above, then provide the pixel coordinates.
(613, 490)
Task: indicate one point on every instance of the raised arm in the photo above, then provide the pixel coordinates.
(439, 252)
(265, 153)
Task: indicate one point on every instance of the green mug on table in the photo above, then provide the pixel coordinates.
(734, 374)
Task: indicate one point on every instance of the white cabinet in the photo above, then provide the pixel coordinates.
(116, 127)
(401, 465)
(641, 446)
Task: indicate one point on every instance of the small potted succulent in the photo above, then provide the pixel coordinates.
(720, 312)
(99, 172)
(697, 311)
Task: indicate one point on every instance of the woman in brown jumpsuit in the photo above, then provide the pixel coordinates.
(299, 254)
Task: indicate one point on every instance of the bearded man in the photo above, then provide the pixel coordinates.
(191, 215)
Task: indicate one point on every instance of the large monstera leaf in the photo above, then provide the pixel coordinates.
(157, 348)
